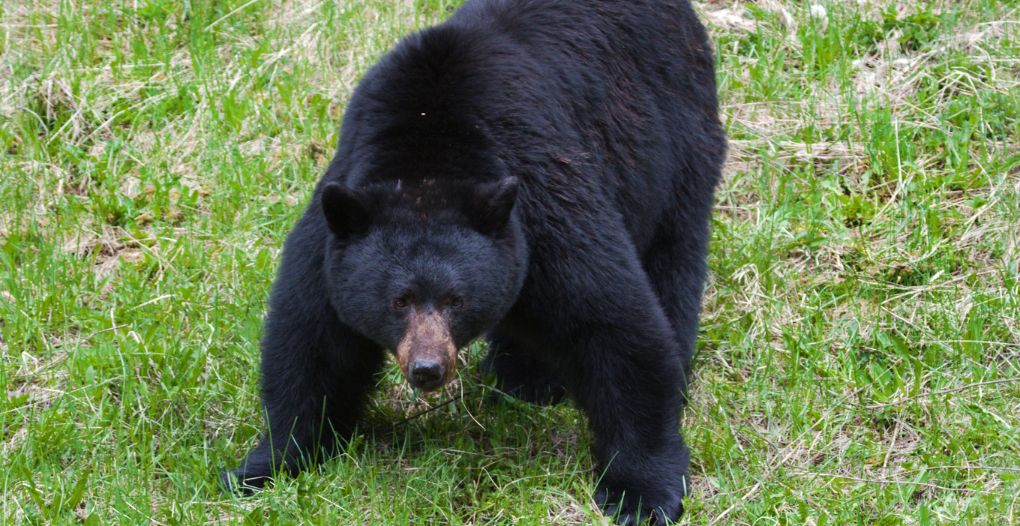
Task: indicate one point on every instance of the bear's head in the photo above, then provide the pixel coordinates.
(424, 266)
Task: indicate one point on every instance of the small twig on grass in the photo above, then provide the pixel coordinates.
(440, 405)
(424, 412)
(942, 392)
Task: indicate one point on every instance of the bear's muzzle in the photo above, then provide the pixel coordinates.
(427, 354)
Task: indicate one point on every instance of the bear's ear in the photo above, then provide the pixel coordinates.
(492, 203)
(345, 210)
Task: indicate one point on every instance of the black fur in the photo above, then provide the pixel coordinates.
(543, 171)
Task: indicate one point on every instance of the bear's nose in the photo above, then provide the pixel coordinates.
(426, 374)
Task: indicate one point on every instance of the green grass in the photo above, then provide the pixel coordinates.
(860, 352)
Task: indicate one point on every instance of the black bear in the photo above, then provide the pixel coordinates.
(539, 173)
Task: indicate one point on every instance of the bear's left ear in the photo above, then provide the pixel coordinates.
(345, 211)
(491, 204)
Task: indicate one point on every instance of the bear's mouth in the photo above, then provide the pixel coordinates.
(427, 354)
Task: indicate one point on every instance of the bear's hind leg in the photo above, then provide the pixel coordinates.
(520, 374)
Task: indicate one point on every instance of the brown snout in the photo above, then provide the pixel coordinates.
(427, 355)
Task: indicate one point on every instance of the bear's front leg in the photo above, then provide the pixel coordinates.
(314, 386)
(316, 372)
(630, 390)
(625, 371)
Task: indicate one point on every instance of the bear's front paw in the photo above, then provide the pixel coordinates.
(631, 508)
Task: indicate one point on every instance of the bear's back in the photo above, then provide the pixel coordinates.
(593, 105)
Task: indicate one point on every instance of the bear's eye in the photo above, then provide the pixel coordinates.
(400, 304)
(455, 302)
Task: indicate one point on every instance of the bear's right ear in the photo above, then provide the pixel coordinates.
(345, 210)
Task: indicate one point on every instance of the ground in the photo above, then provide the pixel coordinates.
(860, 352)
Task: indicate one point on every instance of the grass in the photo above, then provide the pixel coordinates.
(860, 352)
